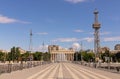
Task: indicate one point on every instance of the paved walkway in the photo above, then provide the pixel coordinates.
(60, 71)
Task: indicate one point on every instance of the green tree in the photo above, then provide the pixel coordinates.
(91, 56)
(87, 56)
(14, 54)
(77, 56)
(9, 56)
(117, 55)
(112, 55)
(2, 56)
(46, 56)
(25, 56)
(105, 55)
(37, 55)
(17, 54)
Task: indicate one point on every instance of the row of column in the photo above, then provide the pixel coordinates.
(62, 57)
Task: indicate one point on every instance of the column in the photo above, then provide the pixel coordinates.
(73, 57)
(70, 57)
(51, 56)
(54, 57)
(67, 56)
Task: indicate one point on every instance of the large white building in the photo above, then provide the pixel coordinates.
(60, 54)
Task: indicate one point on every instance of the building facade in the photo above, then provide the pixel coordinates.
(117, 47)
(3, 51)
(22, 51)
(60, 54)
(104, 49)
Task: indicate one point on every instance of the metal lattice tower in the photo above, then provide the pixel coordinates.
(43, 50)
(30, 46)
(81, 46)
(96, 26)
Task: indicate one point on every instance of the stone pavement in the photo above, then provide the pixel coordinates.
(60, 71)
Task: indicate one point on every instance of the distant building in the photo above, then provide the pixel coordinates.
(22, 51)
(3, 51)
(103, 49)
(115, 51)
(117, 47)
(60, 54)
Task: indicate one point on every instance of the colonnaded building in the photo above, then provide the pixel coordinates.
(60, 54)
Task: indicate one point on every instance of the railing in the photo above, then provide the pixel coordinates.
(113, 67)
(8, 68)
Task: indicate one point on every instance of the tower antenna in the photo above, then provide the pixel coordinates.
(96, 27)
(30, 46)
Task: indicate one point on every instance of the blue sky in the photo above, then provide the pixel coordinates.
(61, 22)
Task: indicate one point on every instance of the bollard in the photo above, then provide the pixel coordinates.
(9, 68)
(118, 69)
(95, 65)
(21, 66)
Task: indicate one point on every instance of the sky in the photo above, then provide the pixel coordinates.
(60, 22)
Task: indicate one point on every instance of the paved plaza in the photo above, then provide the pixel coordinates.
(60, 71)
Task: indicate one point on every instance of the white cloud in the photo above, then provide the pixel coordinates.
(78, 30)
(75, 1)
(65, 40)
(42, 33)
(88, 39)
(105, 33)
(42, 48)
(117, 38)
(78, 1)
(5, 19)
(91, 33)
(75, 45)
